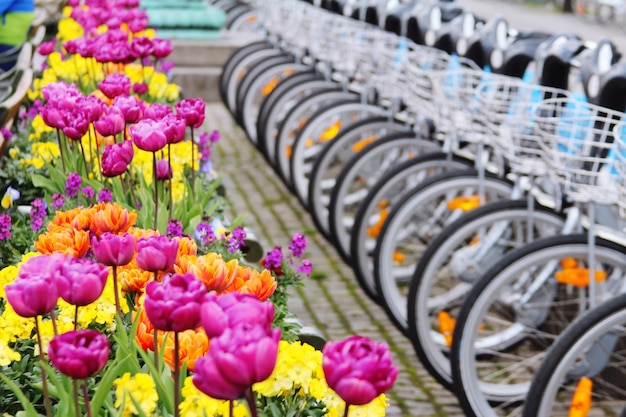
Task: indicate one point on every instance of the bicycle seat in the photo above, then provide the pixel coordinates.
(395, 21)
(612, 88)
(521, 51)
(456, 31)
(492, 35)
(424, 19)
(554, 59)
(597, 69)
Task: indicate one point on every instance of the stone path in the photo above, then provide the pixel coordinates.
(331, 300)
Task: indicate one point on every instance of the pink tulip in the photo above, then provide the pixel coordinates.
(148, 135)
(116, 158)
(52, 117)
(229, 310)
(141, 46)
(132, 108)
(113, 250)
(157, 111)
(76, 124)
(175, 128)
(239, 358)
(174, 304)
(114, 85)
(82, 281)
(164, 170)
(46, 48)
(35, 290)
(140, 88)
(92, 106)
(193, 110)
(156, 253)
(79, 354)
(110, 123)
(358, 369)
(161, 47)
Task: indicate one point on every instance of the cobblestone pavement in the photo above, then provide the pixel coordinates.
(332, 301)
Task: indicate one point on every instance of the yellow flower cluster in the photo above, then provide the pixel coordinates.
(141, 388)
(299, 370)
(197, 404)
(38, 128)
(7, 355)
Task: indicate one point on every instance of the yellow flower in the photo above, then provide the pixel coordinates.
(198, 404)
(7, 355)
(8, 274)
(142, 389)
(14, 326)
(38, 163)
(48, 151)
(14, 153)
(39, 127)
(69, 29)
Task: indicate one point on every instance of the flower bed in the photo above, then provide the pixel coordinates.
(123, 290)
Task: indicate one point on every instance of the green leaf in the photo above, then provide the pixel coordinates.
(106, 383)
(42, 182)
(28, 406)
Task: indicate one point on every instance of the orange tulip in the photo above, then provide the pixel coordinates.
(111, 217)
(250, 281)
(82, 220)
(132, 278)
(64, 218)
(210, 269)
(138, 233)
(144, 335)
(186, 246)
(63, 240)
(193, 344)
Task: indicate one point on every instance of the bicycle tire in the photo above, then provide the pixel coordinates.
(420, 215)
(522, 326)
(389, 189)
(276, 105)
(440, 285)
(258, 91)
(294, 121)
(323, 127)
(359, 175)
(600, 330)
(233, 60)
(334, 155)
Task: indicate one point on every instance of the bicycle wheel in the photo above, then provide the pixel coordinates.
(263, 81)
(334, 155)
(324, 126)
(241, 68)
(360, 173)
(414, 222)
(233, 60)
(287, 93)
(592, 348)
(296, 119)
(382, 198)
(516, 311)
(457, 258)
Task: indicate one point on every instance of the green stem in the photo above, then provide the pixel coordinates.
(86, 397)
(82, 151)
(61, 153)
(156, 189)
(156, 337)
(95, 139)
(169, 163)
(345, 413)
(130, 187)
(176, 375)
(76, 406)
(44, 378)
(230, 408)
(193, 164)
(76, 317)
(53, 319)
(118, 307)
(249, 394)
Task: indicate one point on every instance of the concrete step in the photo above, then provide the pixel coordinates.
(198, 82)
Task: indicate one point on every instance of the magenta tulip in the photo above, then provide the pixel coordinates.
(193, 110)
(132, 108)
(140, 88)
(114, 85)
(46, 48)
(157, 111)
(110, 123)
(161, 47)
(239, 358)
(113, 250)
(92, 106)
(174, 304)
(82, 281)
(79, 354)
(52, 116)
(148, 135)
(164, 170)
(141, 46)
(35, 290)
(229, 310)
(116, 158)
(175, 128)
(156, 253)
(358, 369)
(76, 124)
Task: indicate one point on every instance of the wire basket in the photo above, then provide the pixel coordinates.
(507, 107)
(579, 146)
(619, 133)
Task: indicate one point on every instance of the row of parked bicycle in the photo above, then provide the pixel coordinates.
(473, 177)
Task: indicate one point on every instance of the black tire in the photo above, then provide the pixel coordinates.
(231, 62)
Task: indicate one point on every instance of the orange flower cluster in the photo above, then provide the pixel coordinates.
(250, 281)
(69, 231)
